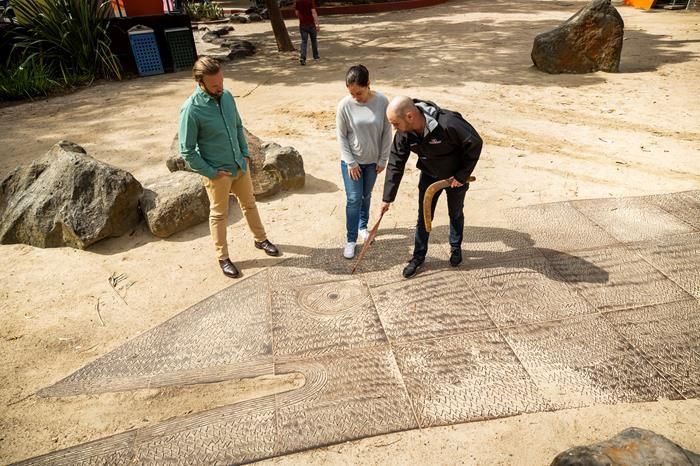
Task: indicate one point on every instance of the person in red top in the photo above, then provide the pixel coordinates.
(308, 27)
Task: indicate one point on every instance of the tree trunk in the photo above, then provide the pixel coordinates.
(284, 43)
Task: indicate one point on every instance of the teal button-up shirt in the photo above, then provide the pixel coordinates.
(211, 134)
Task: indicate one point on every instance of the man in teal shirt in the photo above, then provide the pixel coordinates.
(212, 142)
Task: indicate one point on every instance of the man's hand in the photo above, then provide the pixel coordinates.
(385, 206)
(455, 183)
(379, 169)
(355, 172)
(221, 174)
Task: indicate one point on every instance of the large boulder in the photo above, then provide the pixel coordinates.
(174, 203)
(631, 447)
(273, 168)
(67, 198)
(231, 49)
(239, 49)
(175, 162)
(281, 168)
(589, 41)
(238, 18)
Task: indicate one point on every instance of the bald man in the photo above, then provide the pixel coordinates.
(448, 148)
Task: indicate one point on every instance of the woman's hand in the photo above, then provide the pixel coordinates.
(355, 172)
(379, 169)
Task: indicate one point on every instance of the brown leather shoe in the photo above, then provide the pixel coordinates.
(269, 248)
(229, 269)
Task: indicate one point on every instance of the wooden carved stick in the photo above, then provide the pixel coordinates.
(368, 241)
(428, 199)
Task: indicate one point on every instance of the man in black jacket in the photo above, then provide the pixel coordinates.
(447, 147)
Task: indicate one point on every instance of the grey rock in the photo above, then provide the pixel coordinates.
(221, 55)
(210, 36)
(231, 48)
(282, 169)
(589, 41)
(67, 198)
(175, 162)
(239, 19)
(273, 168)
(221, 41)
(254, 18)
(222, 30)
(631, 447)
(240, 49)
(174, 203)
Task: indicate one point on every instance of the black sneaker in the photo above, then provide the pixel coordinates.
(302, 62)
(455, 257)
(411, 268)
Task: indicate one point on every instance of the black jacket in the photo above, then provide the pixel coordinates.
(451, 149)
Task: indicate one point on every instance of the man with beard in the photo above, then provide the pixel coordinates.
(212, 142)
(448, 148)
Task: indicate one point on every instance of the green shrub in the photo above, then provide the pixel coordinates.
(68, 36)
(29, 79)
(198, 10)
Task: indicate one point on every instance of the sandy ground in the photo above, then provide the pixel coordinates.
(548, 138)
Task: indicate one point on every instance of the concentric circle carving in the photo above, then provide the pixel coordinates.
(329, 299)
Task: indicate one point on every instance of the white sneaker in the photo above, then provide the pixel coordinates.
(349, 251)
(364, 234)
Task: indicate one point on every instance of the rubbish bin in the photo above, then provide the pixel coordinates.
(182, 48)
(145, 50)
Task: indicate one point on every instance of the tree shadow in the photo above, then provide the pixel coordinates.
(450, 45)
(392, 248)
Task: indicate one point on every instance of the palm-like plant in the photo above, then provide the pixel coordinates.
(199, 10)
(68, 35)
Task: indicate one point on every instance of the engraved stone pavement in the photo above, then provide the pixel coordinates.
(576, 304)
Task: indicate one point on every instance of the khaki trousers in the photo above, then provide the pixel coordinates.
(218, 191)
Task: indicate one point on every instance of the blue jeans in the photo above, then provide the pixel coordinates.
(306, 32)
(358, 198)
(455, 208)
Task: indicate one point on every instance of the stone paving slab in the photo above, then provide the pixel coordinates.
(428, 306)
(625, 279)
(525, 290)
(576, 304)
(362, 394)
(560, 227)
(466, 377)
(676, 257)
(632, 219)
(667, 336)
(315, 319)
(583, 361)
(684, 206)
(227, 335)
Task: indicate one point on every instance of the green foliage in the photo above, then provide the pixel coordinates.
(67, 36)
(198, 10)
(31, 78)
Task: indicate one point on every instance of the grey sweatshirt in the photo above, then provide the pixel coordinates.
(363, 131)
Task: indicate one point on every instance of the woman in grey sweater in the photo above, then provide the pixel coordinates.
(364, 135)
